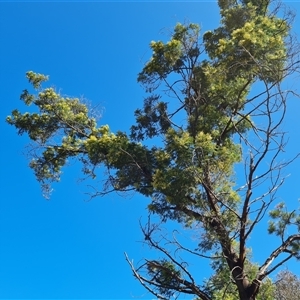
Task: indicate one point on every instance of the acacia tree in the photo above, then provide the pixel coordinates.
(216, 101)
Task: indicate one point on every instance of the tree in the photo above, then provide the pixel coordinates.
(287, 286)
(213, 106)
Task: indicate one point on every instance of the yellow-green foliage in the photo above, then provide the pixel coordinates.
(256, 40)
(189, 173)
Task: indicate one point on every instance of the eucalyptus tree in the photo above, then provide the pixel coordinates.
(287, 286)
(216, 102)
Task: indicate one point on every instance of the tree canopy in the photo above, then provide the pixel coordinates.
(215, 101)
(287, 286)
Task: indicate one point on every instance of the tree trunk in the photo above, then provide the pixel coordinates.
(248, 291)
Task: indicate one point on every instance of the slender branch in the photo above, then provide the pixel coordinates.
(142, 280)
(282, 248)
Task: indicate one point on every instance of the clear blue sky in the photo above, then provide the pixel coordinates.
(68, 247)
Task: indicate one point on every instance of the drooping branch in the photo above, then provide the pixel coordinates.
(165, 275)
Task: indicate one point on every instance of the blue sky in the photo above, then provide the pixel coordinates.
(69, 247)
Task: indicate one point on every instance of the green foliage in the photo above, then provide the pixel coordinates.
(165, 273)
(280, 220)
(64, 129)
(256, 41)
(221, 285)
(35, 79)
(171, 56)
